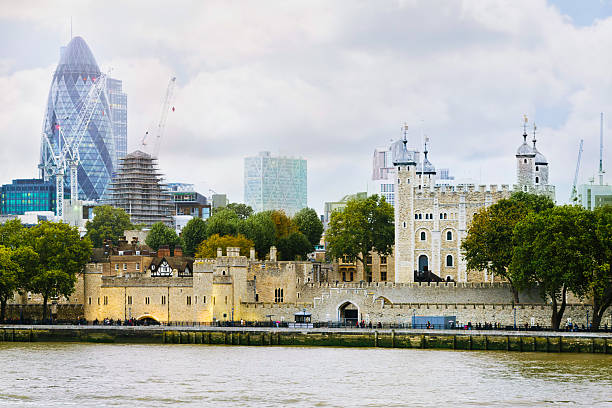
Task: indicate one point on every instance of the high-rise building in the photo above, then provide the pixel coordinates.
(138, 188)
(275, 183)
(76, 72)
(187, 201)
(118, 107)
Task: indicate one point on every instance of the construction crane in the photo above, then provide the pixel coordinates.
(601, 169)
(168, 98)
(66, 157)
(573, 196)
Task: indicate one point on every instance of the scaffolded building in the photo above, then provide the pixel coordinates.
(138, 188)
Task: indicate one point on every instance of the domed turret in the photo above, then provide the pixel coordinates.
(426, 167)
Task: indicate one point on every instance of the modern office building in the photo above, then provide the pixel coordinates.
(76, 72)
(138, 188)
(118, 108)
(219, 201)
(25, 195)
(331, 206)
(187, 201)
(275, 183)
(591, 195)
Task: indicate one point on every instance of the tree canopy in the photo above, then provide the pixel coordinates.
(9, 281)
(208, 248)
(223, 222)
(243, 211)
(193, 234)
(161, 235)
(364, 225)
(309, 224)
(108, 223)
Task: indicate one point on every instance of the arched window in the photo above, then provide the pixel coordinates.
(537, 180)
(449, 235)
(420, 216)
(423, 236)
(441, 215)
(416, 216)
(404, 224)
(445, 215)
(430, 216)
(449, 260)
(525, 161)
(537, 168)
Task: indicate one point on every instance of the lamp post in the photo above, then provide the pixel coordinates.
(514, 310)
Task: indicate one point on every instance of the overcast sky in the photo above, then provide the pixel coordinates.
(327, 81)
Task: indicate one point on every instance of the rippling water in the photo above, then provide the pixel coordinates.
(84, 375)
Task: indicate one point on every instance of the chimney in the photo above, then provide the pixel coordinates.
(178, 251)
(252, 254)
(163, 250)
(272, 253)
(219, 252)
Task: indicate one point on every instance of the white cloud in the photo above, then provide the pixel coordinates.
(329, 82)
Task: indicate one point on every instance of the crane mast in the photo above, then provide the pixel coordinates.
(601, 170)
(573, 196)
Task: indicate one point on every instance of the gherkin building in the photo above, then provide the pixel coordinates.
(76, 72)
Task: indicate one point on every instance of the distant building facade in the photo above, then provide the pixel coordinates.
(26, 195)
(331, 206)
(187, 201)
(591, 196)
(275, 183)
(118, 108)
(138, 188)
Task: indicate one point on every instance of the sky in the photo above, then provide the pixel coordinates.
(328, 81)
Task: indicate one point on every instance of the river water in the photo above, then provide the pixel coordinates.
(93, 375)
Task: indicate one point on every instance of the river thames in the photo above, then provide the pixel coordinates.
(92, 375)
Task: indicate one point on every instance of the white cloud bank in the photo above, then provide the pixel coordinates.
(328, 81)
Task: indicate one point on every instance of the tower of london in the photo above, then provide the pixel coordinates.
(431, 220)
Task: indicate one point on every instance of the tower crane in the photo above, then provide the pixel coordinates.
(573, 196)
(168, 98)
(67, 157)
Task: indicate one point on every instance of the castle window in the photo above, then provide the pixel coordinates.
(426, 216)
(298, 295)
(351, 275)
(125, 267)
(398, 168)
(343, 276)
(449, 260)
(423, 236)
(129, 300)
(163, 300)
(383, 260)
(537, 168)
(106, 300)
(449, 235)
(137, 266)
(398, 181)
(420, 216)
(369, 260)
(215, 299)
(196, 300)
(278, 295)
(416, 216)
(203, 299)
(441, 215)
(256, 297)
(147, 300)
(226, 300)
(537, 180)
(98, 301)
(189, 300)
(445, 215)
(430, 216)
(383, 275)
(419, 186)
(116, 267)
(404, 224)
(525, 161)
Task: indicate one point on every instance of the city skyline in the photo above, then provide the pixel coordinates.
(330, 83)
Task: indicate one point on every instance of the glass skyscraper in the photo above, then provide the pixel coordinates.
(24, 195)
(99, 150)
(275, 183)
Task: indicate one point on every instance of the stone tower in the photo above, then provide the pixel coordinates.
(525, 164)
(406, 168)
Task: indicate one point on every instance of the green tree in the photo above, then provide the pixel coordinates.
(193, 234)
(62, 254)
(550, 254)
(108, 223)
(309, 223)
(260, 229)
(488, 243)
(208, 248)
(9, 271)
(600, 279)
(12, 233)
(161, 235)
(243, 211)
(28, 261)
(282, 223)
(295, 246)
(222, 222)
(364, 225)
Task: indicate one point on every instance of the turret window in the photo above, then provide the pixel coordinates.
(525, 161)
(449, 235)
(537, 168)
(423, 236)
(449, 260)
(537, 180)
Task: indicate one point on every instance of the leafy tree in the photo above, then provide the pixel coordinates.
(309, 223)
(61, 255)
(161, 235)
(9, 271)
(488, 243)
(108, 223)
(364, 225)
(295, 246)
(208, 248)
(243, 211)
(12, 233)
(549, 253)
(282, 223)
(28, 261)
(222, 222)
(260, 229)
(600, 279)
(193, 234)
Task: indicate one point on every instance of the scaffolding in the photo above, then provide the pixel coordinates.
(138, 188)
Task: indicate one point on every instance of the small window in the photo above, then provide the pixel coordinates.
(223, 272)
(441, 215)
(196, 300)
(256, 297)
(226, 300)
(423, 236)
(525, 161)
(163, 300)
(383, 260)
(430, 216)
(98, 301)
(214, 300)
(426, 216)
(383, 275)
(537, 180)
(125, 267)
(398, 168)
(449, 260)
(416, 216)
(189, 300)
(398, 181)
(298, 295)
(89, 301)
(537, 168)
(116, 267)
(106, 300)
(147, 300)
(404, 224)
(449, 235)
(137, 266)
(445, 215)
(203, 299)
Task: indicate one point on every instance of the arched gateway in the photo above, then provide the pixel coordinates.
(348, 313)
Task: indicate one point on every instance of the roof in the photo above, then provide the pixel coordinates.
(539, 157)
(176, 262)
(525, 150)
(401, 155)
